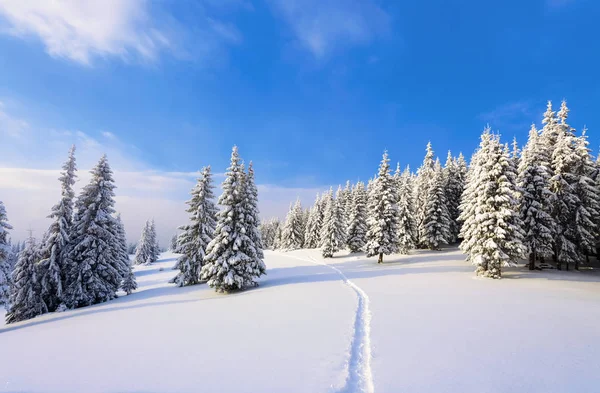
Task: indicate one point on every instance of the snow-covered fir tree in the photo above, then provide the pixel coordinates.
(344, 199)
(52, 267)
(340, 200)
(383, 220)
(535, 199)
(25, 300)
(588, 212)
(268, 232)
(155, 247)
(406, 218)
(6, 254)
(173, 243)
(232, 261)
(196, 235)
(146, 250)
(121, 254)
(436, 218)
(356, 238)
(332, 233)
(312, 235)
(252, 213)
(421, 189)
(92, 266)
(292, 236)
(489, 210)
(453, 189)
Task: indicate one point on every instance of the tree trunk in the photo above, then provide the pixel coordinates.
(380, 260)
(532, 261)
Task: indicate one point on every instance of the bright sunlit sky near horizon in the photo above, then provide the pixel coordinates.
(311, 90)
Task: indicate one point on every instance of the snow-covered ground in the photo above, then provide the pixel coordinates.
(418, 323)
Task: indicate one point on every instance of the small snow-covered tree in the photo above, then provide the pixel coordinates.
(535, 199)
(120, 251)
(196, 235)
(51, 268)
(93, 269)
(332, 233)
(6, 254)
(382, 236)
(357, 224)
(173, 243)
(25, 300)
(453, 189)
(154, 246)
(145, 251)
(406, 219)
(312, 235)
(292, 236)
(489, 210)
(268, 232)
(340, 200)
(232, 261)
(436, 219)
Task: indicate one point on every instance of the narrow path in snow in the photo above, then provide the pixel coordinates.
(360, 377)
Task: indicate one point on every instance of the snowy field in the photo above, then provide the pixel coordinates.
(418, 323)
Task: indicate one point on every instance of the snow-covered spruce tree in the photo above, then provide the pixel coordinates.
(92, 267)
(312, 235)
(357, 224)
(292, 236)
(588, 212)
(232, 261)
(489, 210)
(268, 232)
(25, 300)
(155, 247)
(6, 254)
(196, 235)
(341, 206)
(278, 236)
(453, 189)
(515, 155)
(345, 201)
(120, 251)
(145, 250)
(406, 220)
(332, 235)
(436, 219)
(252, 213)
(550, 130)
(382, 236)
(51, 269)
(423, 181)
(173, 243)
(535, 199)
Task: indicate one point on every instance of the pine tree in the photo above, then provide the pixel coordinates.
(436, 218)
(312, 236)
(292, 236)
(535, 199)
(492, 230)
(145, 252)
(382, 236)
(345, 201)
(51, 267)
(120, 250)
(6, 255)
(25, 300)
(406, 220)
(93, 269)
(423, 181)
(340, 200)
(357, 227)
(154, 246)
(232, 261)
(196, 235)
(332, 235)
(252, 215)
(454, 187)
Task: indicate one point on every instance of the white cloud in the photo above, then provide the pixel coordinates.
(11, 126)
(322, 26)
(80, 30)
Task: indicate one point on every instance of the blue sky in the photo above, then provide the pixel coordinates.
(311, 91)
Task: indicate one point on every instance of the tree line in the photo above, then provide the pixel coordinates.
(541, 203)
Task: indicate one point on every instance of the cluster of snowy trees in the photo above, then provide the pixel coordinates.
(394, 213)
(222, 247)
(539, 203)
(147, 250)
(81, 259)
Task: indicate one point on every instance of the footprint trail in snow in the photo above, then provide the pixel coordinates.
(360, 377)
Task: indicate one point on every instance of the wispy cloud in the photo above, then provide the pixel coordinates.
(131, 30)
(512, 116)
(323, 26)
(10, 125)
